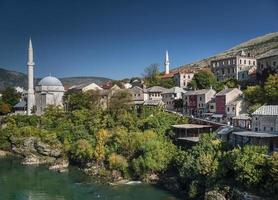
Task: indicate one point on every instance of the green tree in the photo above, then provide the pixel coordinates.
(151, 75)
(254, 95)
(81, 152)
(271, 89)
(203, 80)
(10, 96)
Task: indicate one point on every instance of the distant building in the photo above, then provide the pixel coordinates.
(267, 64)
(169, 96)
(196, 101)
(264, 129)
(228, 102)
(265, 119)
(49, 91)
(85, 87)
(139, 95)
(239, 67)
(184, 76)
(155, 92)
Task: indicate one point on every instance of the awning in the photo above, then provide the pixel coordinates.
(217, 115)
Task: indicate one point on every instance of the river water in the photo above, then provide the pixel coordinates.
(18, 182)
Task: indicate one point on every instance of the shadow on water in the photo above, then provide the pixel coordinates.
(18, 182)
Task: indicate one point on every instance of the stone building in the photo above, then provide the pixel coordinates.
(183, 77)
(265, 119)
(85, 87)
(49, 91)
(239, 67)
(196, 101)
(267, 64)
(169, 97)
(155, 92)
(139, 95)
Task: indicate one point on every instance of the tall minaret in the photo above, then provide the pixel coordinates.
(167, 63)
(30, 66)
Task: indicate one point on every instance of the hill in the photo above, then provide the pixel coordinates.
(10, 78)
(258, 46)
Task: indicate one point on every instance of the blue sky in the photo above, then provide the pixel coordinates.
(119, 38)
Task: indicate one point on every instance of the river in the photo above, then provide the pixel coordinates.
(18, 182)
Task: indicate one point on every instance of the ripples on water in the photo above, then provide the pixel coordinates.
(19, 182)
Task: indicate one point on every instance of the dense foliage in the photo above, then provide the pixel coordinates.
(9, 98)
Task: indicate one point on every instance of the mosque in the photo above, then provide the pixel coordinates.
(49, 90)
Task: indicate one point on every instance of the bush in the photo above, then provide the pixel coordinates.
(117, 162)
(81, 152)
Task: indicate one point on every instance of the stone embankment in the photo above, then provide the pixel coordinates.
(35, 152)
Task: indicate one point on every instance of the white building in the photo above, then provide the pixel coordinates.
(85, 87)
(155, 92)
(169, 97)
(49, 91)
(239, 67)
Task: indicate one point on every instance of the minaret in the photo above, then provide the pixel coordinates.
(30, 66)
(167, 63)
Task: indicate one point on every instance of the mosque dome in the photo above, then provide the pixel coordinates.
(50, 81)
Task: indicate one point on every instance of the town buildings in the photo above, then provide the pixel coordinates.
(240, 67)
(139, 95)
(228, 102)
(85, 87)
(196, 101)
(170, 97)
(267, 64)
(183, 77)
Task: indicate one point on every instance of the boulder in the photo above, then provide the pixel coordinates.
(60, 165)
(4, 154)
(214, 195)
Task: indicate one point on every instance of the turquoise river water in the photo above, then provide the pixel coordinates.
(18, 182)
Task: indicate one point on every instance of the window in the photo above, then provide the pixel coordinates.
(274, 63)
(223, 62)
(188, 76)
(228, 70)
(228, 109)
(271, 128)
(244, 61)
(256, 129)
(213, 64)
(240, 61)
(211, 107)
(223, 71)
(234, 61)
(249, 62)
(254, 62)
(183, 76)
(217, 64)
(264, 128)
(262, 66)
(233, 108)
(229, 62)
(200, 98)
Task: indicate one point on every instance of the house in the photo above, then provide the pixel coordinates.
(105, 96)
(169, 97)
(264, 130)
(265, 119)
(242, 121)
(184, 76)
(189, 133)
(228, 102)
(237, 67)
(139, 95)
(267, 64)
(85, 87)
(155, 92)
(20, 108)
(196, 101)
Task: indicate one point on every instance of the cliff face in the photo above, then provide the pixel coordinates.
(258, 46)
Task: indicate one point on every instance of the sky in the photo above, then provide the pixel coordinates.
(119, 38)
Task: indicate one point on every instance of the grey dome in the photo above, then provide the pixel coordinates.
(50, 81)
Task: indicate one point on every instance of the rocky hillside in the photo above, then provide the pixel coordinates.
(12, 78)
(258, 46)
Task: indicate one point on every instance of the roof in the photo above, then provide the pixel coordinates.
(137, 89)
(226, 91)
(174, 90)
(243, 117)
(81, 86)
(156, 89)
(190, 139)
(190, 126)
(198, 92)
(50, 81)
(267, 110)
(21, 104)
(255, 134)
